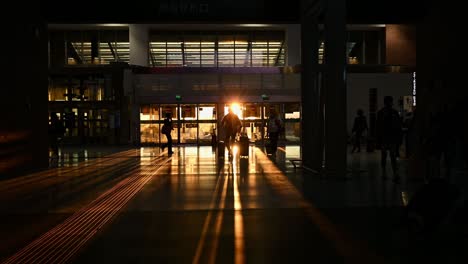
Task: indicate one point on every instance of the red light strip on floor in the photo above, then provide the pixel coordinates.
(61, 243)
(13, 184)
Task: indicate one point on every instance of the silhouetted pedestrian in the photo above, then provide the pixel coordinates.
(389, 135)
(274, 127)
(359, 127)
(442, 142)
(166, 130)
(231, 125)
(56, 132)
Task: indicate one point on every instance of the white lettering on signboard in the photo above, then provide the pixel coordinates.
(414, 88)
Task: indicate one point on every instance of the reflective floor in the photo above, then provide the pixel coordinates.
(116, 205)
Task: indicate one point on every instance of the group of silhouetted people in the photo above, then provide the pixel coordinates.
(232, 125)
(389, 135)
(437, 142)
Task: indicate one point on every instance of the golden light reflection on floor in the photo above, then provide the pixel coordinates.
(216, 214)
(239, 243)
(346, 246)
(204, 233)
(218, 224)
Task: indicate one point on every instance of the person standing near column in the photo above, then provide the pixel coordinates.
(389, 135)
(166, 130)
(359, 127)
(274, 127)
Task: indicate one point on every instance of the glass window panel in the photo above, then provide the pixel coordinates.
(156, 45)
(149, 133)
(177, 44)
(174, 63)
(269, 107)
(292, 111)
(223, 50)
(208, 63)
(57, 93)
(192, 45)
(188, 133)
(207, 51)
(207, 112)
(226, 44)
(106, 52)
(188, 112)
(208, 44)
(172, 109)
(149, 112)
(86, 52)
(258, 63)
(292, 131)
(252, 111)
(205, 131)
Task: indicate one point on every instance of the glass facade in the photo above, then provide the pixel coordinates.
(292, 121)
(86, 105)
(84, 124)
(217, 49)
(74, 89)
(196, 123)
(89, 47)
(193, 123)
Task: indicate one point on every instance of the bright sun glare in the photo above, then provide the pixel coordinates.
(235, 108)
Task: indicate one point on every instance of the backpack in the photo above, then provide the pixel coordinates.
(389, 126)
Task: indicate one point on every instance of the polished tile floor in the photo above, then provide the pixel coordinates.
(138, 205)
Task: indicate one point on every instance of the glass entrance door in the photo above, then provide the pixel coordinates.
(196, 123)
(252, 121)
(206, 123)
(192, 123)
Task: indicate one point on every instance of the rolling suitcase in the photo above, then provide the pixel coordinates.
(221, 149)
(244, 145)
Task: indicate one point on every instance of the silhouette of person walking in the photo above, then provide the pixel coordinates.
(359, 127)
(166, 130)
(56, 131)
(273, 128)
(231, 125)
(389, 135)
(442, 141)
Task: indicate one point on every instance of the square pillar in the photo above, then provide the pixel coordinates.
(312, 115)
(335, 87)
(139, 44)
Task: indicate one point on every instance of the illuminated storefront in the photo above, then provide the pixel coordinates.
(196, 123)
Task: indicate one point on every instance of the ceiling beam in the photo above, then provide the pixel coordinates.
(279, 53)
(74, 53)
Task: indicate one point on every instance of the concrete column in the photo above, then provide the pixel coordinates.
(312, 122)
(23, 103)
(335, 87)
(139, 44)
(293, 44)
